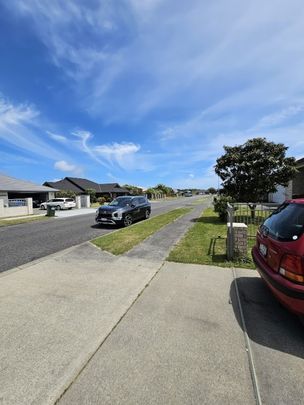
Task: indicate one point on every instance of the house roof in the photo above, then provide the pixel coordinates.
(79, 185)
(112, 188)
(300, 162)
(65, 185)
(84, 184)
(12, 184)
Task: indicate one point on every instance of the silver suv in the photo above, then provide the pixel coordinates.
(59, 204)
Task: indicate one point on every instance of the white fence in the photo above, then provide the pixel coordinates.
(16, 208)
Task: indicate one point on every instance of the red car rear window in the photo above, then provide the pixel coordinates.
(286, 223)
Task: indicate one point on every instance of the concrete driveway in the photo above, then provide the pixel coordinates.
(85, 327)
(75, 212)
(67, 213)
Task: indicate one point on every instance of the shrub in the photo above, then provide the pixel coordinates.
(101, 200)
(220, 206)
(65, 194)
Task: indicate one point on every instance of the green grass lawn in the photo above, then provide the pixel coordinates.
(205, 243)
(199, 201)
(125, 239)
(13, 221)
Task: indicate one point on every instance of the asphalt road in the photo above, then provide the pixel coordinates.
(20, 244)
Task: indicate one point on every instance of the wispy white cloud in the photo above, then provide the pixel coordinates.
(57, 137)
(11, 159)
(116, 151)
(280, 117)
(20, 128)
(123, 155)
(212, 52)
(208, 74)
(64, 166)
(83, 144)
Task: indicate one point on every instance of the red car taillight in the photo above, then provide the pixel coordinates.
(292, 268)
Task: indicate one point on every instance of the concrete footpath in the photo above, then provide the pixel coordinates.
(179, 344)
(85, 327)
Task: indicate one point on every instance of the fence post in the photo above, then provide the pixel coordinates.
(29, 204)
(78, 201)
(230, 235)
(1, 207)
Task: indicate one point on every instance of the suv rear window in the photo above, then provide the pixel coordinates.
(286, 223)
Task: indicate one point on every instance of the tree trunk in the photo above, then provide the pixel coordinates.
(252, 211)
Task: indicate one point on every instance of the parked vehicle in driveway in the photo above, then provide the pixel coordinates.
(124, 211)
(37, 203)
(279, 254)
(59, 204)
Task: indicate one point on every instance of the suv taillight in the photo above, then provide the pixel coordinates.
(292, 268)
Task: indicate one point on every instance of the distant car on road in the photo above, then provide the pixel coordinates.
(279, 254)
(59, 204)
(188, 194)
(124, 211)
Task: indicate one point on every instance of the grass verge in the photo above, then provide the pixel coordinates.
(205, 243)
(12, 221)
(125, 239)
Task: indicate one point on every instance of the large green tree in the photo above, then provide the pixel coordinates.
(164, 189)
(211, 190)
(254, 169)
(134, 190)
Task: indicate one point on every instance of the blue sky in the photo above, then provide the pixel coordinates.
(146, 91)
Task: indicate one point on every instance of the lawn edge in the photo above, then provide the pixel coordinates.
(227, 264)
(138, 223)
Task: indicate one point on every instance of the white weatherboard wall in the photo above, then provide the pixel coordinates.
(282, 194)
(4, 197)
(78, 201)
(85, 201)
(50, 195)
(16, 211)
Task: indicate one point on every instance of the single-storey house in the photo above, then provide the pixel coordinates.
(12, 188)
(17, 196)
(79, 186)
(295, 188)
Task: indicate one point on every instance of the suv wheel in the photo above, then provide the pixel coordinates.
(147, 214)
(58, 208)
(42, 207)
(128, 220)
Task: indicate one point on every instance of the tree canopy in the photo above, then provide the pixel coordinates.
(211, 190)
(254, 169)
(134, 190)
(164, 189)
(65, 194)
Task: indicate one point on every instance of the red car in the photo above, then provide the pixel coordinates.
(279, 254)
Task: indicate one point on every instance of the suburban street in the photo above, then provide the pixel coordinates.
(85, 327)
(20, 244)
